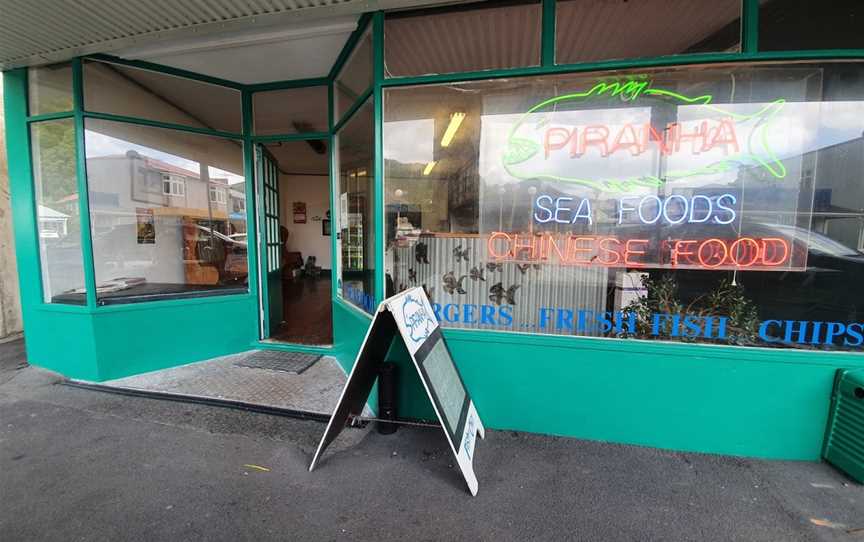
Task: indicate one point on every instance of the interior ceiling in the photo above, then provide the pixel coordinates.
(299, 157)
(217, 108)
(187, 33)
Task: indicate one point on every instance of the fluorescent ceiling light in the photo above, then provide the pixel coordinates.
(429, 167)
(455, 121)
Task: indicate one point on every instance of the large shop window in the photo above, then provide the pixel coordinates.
(591, 30)
(58, 220)
(484, 36)
(167, 212)
(356, 220)
(700, 204)
(132, 92)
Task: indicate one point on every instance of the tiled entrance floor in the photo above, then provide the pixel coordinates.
(315, 390)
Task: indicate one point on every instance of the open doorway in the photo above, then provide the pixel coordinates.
(296, 256)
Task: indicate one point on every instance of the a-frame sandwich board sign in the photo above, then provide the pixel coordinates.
(409, 317)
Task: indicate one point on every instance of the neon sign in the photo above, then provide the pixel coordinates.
(637, 139)
(719, 210)
(651, 209)
(750, 253)
(727, 138)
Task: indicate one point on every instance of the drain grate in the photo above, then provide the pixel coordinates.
(290, 362)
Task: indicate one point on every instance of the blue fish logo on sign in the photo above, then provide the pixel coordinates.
(417, 319)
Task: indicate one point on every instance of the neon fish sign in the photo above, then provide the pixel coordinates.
(534, 138)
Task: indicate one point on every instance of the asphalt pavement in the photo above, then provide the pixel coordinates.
(85, 465)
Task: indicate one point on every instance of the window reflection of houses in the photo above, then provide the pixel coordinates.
(149, 181)
(173, 184)
(52, 223)
(238, 202)
(164, 222)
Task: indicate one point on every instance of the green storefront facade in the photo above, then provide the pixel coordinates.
(764, 392)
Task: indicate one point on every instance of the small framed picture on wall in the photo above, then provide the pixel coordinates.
(299, 208)
(325, 227)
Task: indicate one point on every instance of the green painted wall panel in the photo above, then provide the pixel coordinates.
(721, 406)
(57, 338)
(737, 401)
(61, 342)
(682, 397)
(350, 326)
(141, 339)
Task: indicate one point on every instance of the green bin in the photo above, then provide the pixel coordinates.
(844, 437)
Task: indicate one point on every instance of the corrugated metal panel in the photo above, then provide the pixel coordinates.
(478, 39)
(532, 287)
(587, 30)
(42, 31)
(600, 30)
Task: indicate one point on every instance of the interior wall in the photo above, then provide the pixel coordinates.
(314, 191)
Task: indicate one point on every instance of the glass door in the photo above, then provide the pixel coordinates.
(270, 242)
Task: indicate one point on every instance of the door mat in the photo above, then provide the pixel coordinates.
(290, 362)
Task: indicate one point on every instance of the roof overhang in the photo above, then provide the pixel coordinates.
(34, 32)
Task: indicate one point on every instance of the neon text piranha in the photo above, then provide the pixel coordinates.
(727, 137)
(636, 139)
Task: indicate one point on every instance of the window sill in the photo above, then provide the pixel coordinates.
(152, 292)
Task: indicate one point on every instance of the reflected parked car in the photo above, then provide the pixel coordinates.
(229, 253)
(121, 251)
(828, 289)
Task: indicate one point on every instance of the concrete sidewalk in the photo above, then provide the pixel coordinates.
(83, 465)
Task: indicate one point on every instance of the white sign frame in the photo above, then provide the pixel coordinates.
(410, 315)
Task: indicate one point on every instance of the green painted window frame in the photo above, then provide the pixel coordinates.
(81, 186)
(364, 26)
(749, 52)
(250, 139)
(20, 145)
(80, 114)
(378, 252)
